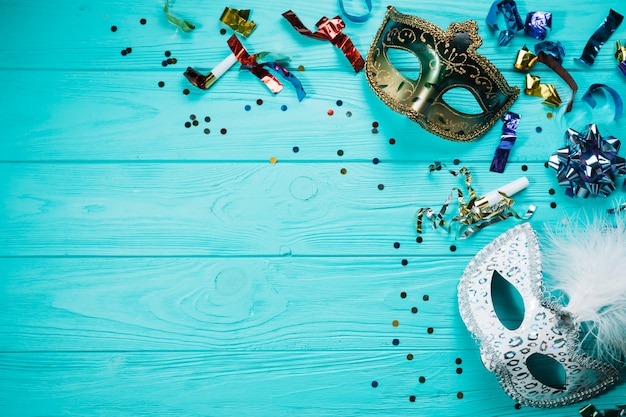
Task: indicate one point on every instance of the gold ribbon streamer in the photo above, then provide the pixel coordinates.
(525, 59)
(238, 21)
(471, 217)
(545, 91)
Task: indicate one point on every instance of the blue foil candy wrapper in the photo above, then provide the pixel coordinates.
(537, 24)
(555, 49)
(589, 164)
(507, 140)
(599, 37)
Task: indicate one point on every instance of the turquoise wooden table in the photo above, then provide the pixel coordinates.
(263, 262)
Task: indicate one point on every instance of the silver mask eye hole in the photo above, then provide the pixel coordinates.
(507, 302)
(547, 370)
(462, 100)
(405, 62)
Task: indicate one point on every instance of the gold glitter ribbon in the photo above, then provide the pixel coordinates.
(471, 217)
(545, 91)
(238, 21)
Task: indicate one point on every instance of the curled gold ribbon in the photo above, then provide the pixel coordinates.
(238, 21)
(545, 91)
(620, 55)
(525, 59)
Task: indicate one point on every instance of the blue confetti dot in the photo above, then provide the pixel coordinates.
(538, 129)
(248, 107)
(296, 149)
(395, 342)
(339, 103)
(283, 107)
(375, 161)
(374, 384)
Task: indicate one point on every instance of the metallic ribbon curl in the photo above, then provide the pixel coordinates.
(555, 49)
(329, 30)
(620, 55)
(537, 24)
(588, 164)
(513, 20)
(507, 140)
(617, 99)
(599, 37)
(471, 217)
(238, 20)
(545, 91)
(354, 17)
(182, 24)
(590, 410)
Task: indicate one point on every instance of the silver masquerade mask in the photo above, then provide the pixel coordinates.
(535, 355)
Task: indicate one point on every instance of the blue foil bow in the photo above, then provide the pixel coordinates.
(588, 164)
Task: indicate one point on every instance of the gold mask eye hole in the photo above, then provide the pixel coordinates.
(405, 62)
(462, 100)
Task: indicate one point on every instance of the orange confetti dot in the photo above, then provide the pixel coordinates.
(273, 160)
(459, 395)
(395, 323)
(549, 115)
(330, 112)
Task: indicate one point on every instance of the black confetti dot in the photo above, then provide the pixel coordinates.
(161, 84)
(452, 248)
(405, 262)
(124, 53)
(129, 50)
(207, 131)
(524, 167)
(457, 161)
(295, 149)
(207, 119)
(412, 398)
(169, 61)
(414, 310)
(223, 131)
(553, 204)
(374, 124)
(422, 379)
(340, 152)
(426, 297)
(381, 187)
(392, 141)
(186, 91)
(374, 384)
(395, 342)
(167, 54)
(192, 116)
(187, 124)
(259, 101)
(222, 31)
(419, 239)
(195, 123)
(430, 330)
(551, 191)
(339, 103)
(113, 28)
(518, 406)
(459, 371)
(374, 131)
(403, 294)
(458, 361)
(396, 245)
(375, 161)
(142, 21)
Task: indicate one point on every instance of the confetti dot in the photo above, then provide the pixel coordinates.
(409, 357)
(403, 294)
(395, 342)
(374, 384)
(553, 204)
(207, 119)
(343, 171)
(295, 149)
(374, 131)
(551, 191)
(174, 60)
(452, 248)
(396, 245)
(259, 101)
(169, 61)
(247, 107)
(223, 131)
(395, 323)
(405, 262)
(300, 67)
(375, 161)
(195, 123)
(392, 141)
(330, 112)
(124, 53)
(167, 54)
(374, 124)
(113, 28)
(186, 91)
(459, 371)
(192, 116)
(207, 131)
(426, 297)
(273, 160)
(129, 50)
(381, 187)
(222, 31)
(459, 395)
(419, 239)
(549, 115)
(164, 63)
(458, 361)
(456, 161)
(412, 398)
(161, 84)
(348, 114)
(524, 167)
(414, 310)
(339, 103)
(430, 330)
(538, 129)
(340, 152)
(422, 379)
(142, 21)
(518, 406)
(187, 124)
(283, 107)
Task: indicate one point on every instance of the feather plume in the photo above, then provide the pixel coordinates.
(586, 262)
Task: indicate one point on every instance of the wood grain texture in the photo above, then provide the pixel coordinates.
(151, 269)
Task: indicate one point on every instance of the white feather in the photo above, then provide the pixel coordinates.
(587, 264)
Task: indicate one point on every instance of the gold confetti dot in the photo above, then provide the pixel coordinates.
(273, 160)
(395, 323)
(300, 67)
(549, 115)
(344, 171)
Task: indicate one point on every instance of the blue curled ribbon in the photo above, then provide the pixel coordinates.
(589, 164)
(507, 140)
(513, 20)
(587, 98)
(354, 17)
(276, 66)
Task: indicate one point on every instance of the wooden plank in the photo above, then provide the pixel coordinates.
(88, 43)
(125, 116)
(323, 383)
(230, 304)
(246, 208)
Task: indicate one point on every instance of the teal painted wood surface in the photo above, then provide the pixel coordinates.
(151, 269)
